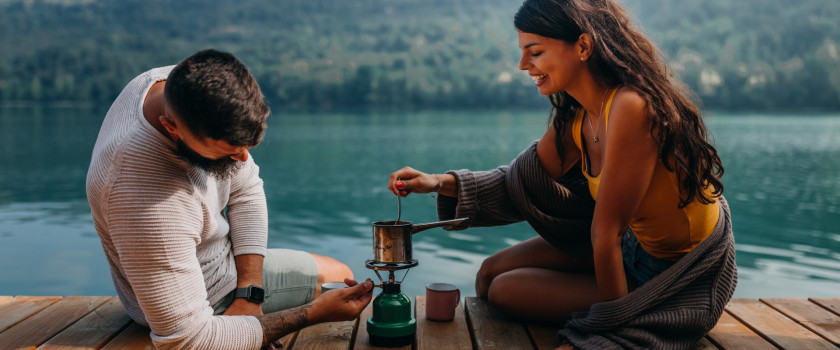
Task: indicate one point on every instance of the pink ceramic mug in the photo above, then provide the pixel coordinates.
(441, 300)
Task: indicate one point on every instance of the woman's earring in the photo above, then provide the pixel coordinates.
(582, 59)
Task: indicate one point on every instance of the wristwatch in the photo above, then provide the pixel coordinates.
(252, 293)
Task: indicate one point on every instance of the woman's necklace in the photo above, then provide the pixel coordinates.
(595, 130)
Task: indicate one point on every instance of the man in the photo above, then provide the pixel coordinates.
(179, 207)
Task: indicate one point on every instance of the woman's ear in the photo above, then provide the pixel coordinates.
(584, 46)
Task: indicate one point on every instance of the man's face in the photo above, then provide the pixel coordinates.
(221, 168)
(217, 157)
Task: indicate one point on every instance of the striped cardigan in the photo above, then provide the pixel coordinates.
(672, 311)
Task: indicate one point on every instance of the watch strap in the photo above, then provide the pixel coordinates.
(252, 293)
(241, 292)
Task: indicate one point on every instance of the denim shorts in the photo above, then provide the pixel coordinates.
(639, 265)
(289, 279)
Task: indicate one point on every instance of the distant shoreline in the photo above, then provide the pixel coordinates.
(384, 109)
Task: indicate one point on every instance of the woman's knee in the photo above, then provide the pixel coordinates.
(501, 291)
(491, 267)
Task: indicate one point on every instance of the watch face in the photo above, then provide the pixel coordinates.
(257, 294)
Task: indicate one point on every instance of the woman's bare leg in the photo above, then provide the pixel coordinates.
(534, 252)
(543, 295)
(534, 280)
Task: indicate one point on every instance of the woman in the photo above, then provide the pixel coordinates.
(641, 145)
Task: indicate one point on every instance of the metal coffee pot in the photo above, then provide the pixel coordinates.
(392, 239)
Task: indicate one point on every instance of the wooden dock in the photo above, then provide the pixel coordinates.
(28, 322)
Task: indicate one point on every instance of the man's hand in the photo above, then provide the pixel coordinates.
(344, 303)
(243, 307)
(336, 305)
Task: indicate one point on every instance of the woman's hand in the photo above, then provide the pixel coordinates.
(408, 180)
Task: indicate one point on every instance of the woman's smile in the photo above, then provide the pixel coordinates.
(539, 79)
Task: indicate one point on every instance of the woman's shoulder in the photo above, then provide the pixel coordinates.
(629, 100)
(629, 118)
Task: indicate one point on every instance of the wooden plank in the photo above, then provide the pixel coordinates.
(92, 331)
(831, 304)
(810, 315)
(729, 333)
(362, 338)
(40, 327)
(326, 336)
(543, 337)
(704, 344)
(135, 337)
(289, 340)
(433, 335)
(491, 329)
(19, 308)
(775, 327)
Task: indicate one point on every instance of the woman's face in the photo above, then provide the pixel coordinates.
(552, 63)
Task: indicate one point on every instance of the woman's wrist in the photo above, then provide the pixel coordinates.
(446, 185)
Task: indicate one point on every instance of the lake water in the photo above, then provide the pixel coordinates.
(325, 177)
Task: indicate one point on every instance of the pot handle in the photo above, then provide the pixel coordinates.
(428, 225)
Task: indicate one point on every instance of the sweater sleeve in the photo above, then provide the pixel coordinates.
(155, 228)
(559, 210)
(481, 197)
(247, 211)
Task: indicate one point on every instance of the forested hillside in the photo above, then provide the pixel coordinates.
(762, 55)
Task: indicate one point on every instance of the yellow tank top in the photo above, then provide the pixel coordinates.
(663, 229)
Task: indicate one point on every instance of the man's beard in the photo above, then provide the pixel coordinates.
(221, 169)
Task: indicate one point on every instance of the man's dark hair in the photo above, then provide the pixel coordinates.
(215, 95)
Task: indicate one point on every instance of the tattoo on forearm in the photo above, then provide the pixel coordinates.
(277, 324)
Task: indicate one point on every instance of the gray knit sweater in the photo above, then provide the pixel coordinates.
(672, 311)
(169, 231)
(559, 210)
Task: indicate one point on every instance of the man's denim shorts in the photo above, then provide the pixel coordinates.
(639, 265)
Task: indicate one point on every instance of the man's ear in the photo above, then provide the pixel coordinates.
(584, 46)
(168, 124)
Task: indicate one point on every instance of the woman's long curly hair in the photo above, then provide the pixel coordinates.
(621, 55)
